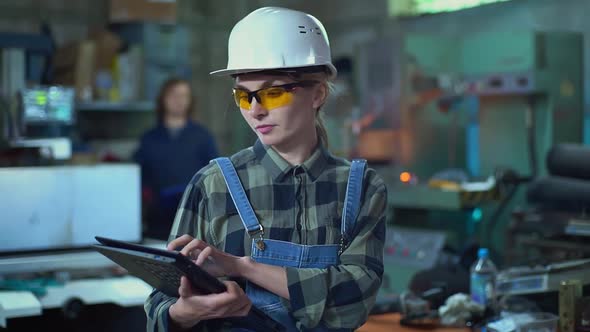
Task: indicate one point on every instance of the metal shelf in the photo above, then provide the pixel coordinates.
(30, 42)
(138, 106)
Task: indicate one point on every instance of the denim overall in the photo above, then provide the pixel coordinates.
(287, 254)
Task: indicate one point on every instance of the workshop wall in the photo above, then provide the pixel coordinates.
(70, 20)
(348, 22)
(524, 15)
(209, 23)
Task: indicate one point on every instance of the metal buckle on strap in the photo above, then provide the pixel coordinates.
(260, 231)
(260, 241)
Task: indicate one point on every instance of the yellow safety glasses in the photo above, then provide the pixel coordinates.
(271, 97)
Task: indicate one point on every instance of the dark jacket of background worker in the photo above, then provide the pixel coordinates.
(169, 155)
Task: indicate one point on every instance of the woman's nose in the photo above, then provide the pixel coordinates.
(257, 110)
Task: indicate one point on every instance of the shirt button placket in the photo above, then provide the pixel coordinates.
(298, 197)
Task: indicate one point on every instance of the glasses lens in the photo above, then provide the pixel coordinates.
(241, 98)
(275, 97)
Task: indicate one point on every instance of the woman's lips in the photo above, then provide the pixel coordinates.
(264, 129)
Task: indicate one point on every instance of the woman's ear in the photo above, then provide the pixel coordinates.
(320, 94)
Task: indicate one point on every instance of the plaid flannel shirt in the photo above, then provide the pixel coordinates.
(300, 204)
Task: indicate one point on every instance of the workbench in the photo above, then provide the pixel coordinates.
(391, 323)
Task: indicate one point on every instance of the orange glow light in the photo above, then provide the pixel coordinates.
(405, 177)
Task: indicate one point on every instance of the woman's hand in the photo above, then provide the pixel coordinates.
(219, 263)
(214, 261)
(191, 308)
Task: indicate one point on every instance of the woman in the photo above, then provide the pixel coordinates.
(170, 154)
(304, 236)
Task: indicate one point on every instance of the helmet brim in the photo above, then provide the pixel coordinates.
(231, 72)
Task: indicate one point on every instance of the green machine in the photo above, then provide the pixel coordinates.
(529, 98)
(523, 80)
(474, 105)
(398, 83)
(463, 102)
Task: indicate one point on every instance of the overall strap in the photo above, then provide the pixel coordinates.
(238, 195)
(352, 200)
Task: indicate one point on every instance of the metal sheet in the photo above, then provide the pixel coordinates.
(64, 207)
(62, 261)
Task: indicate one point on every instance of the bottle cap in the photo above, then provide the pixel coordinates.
(483, 253)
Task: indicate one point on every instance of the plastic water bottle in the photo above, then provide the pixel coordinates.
(483, 280)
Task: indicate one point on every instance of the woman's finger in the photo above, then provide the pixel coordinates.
(204, 255)
(225, 299)
(193, 255)
(243, 309)
(241, 304)
(179, 242)
(192, 245)
(185, 289)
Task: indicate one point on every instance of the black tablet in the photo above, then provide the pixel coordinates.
(162, 270)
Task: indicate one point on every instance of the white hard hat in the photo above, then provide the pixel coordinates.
(277, 38)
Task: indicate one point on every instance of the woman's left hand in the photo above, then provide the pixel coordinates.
(213, 260)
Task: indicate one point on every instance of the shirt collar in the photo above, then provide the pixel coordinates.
(280, 169)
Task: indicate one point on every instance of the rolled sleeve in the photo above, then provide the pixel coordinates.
(156, 309)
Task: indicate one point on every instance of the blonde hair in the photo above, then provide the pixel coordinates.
(321, 77)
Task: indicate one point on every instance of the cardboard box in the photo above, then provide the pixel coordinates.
(108, 45)
(377, 145)
(129, 74)
(166, 44)
(74, 65)
(142, 10)
(77, 63)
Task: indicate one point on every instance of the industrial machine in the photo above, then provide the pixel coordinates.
(52, 210)
(555, 224)
(542, 279)
(541, 284)
(37, 127)
(469, 102)
(51, 207)
(44, 118)
(449, 111)
(50, 216)
(34, 119)
(410, 251)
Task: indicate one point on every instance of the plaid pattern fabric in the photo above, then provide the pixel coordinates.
(301, 204)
